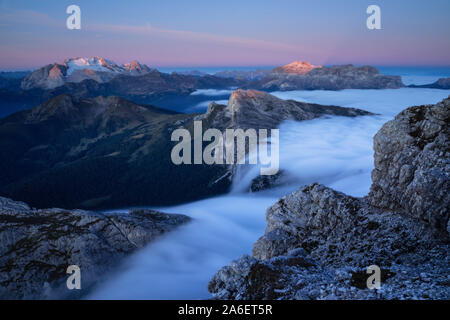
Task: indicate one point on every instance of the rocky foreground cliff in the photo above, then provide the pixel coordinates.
(37, 246)
(319, 242)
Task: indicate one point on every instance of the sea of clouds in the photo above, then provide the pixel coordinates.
(335, 151)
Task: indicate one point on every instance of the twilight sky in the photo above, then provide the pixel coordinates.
(175, 33)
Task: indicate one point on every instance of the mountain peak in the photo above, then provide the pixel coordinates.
(136, 67)
(296, 67)
(260, 110)
(240, 96)
(69, 109)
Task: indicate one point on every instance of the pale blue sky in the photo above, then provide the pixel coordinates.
(226, 33)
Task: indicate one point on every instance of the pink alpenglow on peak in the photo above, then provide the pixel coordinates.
(136, 67)
(296, 67)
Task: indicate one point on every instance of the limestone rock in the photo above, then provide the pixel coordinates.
(412, 164)
(37, 246)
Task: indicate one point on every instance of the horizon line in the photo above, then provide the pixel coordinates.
(192, 67)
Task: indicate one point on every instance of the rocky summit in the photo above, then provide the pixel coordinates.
(258, 109)
(319, 242)
(37, 246)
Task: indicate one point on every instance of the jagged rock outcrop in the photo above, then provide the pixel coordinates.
(257, 109)
(47, 77)
(412, 164)
(37, 246)
(136, 68)
(329, 78)
(318, 242)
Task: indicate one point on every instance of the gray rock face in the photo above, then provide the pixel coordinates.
(334, 228)
(412, 164)
(37, 246)
(329, 78)
(261, 183)
(48, 77)
(318, 242)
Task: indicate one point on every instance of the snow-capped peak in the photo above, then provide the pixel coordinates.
(99, 64)
(93, 64)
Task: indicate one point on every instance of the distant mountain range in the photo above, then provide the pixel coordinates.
(298, 75)
(103, 70)
(92, 77)
(79, 69)
(149, 87)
